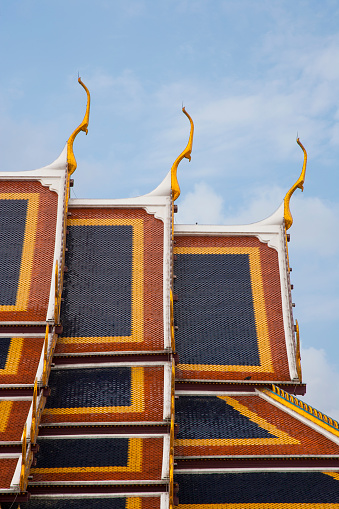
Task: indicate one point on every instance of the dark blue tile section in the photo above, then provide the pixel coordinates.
(4, 347)
(215, 307)
(69, 503)
(98, 284)
(12, 227)
(94, 387)
(203, 417)
(258, 487)
(82, 452)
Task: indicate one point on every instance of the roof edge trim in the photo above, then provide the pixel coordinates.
(305, 410)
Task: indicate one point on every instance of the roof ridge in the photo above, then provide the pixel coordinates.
(296, 404)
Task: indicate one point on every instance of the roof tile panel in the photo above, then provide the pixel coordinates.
(99, 502)
(19, 357)
(105, 394)
(7, 469)
(13, 415)
(253, 488)
(114, 284)
(98, 459)
(28, 222)
(229, 295)
(243, 425)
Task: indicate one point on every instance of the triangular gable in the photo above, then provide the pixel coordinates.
(245, 421)
(224, 421)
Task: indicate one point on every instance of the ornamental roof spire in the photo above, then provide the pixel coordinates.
(186, 153)
(299, 183)
(71, 161)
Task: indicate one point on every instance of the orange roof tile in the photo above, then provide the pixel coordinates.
(28, 245)
(7, 469)
(20, 356)
(13, 415)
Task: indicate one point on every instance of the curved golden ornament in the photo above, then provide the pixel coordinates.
(23, 459)
(44, 372)
(185, 153)
(299, 183)
(71, 162)
(298, 356)
(34, 412)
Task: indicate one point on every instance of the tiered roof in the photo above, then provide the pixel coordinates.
(145, 364)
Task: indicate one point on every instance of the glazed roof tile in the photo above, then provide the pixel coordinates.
(19, 359)
(301, 408)
(229, 296)
(244, 426)
(100, 502)
(252, 488)
(105, 394)
(13, 415)
(28, 216)
(115, 256)
(98, 459)
(93, 503)
(7, 469)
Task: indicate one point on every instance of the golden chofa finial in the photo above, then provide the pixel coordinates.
(186, 153)
(71, 162)
(299, 183)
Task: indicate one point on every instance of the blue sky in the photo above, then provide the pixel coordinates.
(251, 74)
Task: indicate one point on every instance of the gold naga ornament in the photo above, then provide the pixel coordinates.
(299, 183)
(185, 153)
(71, 161)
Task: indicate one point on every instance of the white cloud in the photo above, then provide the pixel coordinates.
(202, 206)
(320, 376)
(33, 144)
(315, 227)
(314, 251)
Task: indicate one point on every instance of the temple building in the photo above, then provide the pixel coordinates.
(146, 364)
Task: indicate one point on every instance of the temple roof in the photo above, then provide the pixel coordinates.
(147, 353)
